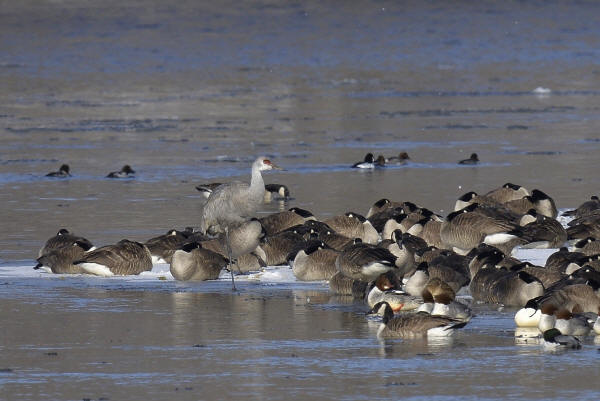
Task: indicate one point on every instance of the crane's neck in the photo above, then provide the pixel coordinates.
(257, 185)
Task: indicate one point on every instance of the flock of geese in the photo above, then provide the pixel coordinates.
(405, 261)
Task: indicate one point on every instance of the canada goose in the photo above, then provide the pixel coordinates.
(63, 171)
(473, 159)
(367, 163)
(276, 191)
(541, 231)
(430, 232)
(277, 222)
(588, 219)
(412, 242)
(546, 276)
(584, 229)
(250, 262)
(497, 285)
(163, 246)
(394, 223)
(277, 247)
(585, 208)
(353, 225)
(316, 262)
(61, 260)
(451, 268)
(419, 324)
(463, 230)
(427, 254)
(405, 257)
(418, 280)
(364, 261)
(569, 295)
(596, 326)
(63, 238)
(343, 285)
(553, 339)
(507, 193)
(380, 291)
(194, 263)
(588, 246)
(125, 172)
(208, 188)
(380, 206)
(592, 262)
(561, 259)
(538, 200)
(492, 257)
(472, 197)
(124, 258)
(335, 240)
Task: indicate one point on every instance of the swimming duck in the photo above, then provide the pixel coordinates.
(402, 158)
(367, 163)
(63, 171)
(125, 172)
(554, 339)
(473, 159)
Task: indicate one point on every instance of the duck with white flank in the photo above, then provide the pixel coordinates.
(367, 163)
(63, 172)
(125, 172)
(553, 339)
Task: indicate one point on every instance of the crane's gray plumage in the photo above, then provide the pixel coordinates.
(230, 205)
(233, 203)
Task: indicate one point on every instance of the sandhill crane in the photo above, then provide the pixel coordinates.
(231, 204)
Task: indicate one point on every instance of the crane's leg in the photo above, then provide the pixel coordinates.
(230, 257)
